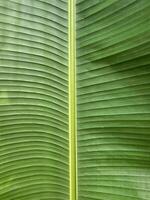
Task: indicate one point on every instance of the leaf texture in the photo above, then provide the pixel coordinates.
(113, 87)
(113, 95)
(34, 100)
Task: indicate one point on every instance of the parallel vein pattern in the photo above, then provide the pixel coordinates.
(33, 100)
(113, 45)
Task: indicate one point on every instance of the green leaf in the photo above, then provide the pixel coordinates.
(113, 43)
(34, 159)
(74, 100)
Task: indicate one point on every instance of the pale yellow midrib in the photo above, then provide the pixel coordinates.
(72, 99)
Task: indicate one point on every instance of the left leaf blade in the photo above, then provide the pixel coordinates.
(33, 100)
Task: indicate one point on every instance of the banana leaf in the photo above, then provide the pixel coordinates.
(74, 100)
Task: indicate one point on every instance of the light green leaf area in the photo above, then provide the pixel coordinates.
(101, 115)
(34, 159)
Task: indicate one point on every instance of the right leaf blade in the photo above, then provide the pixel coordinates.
(113, 87)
